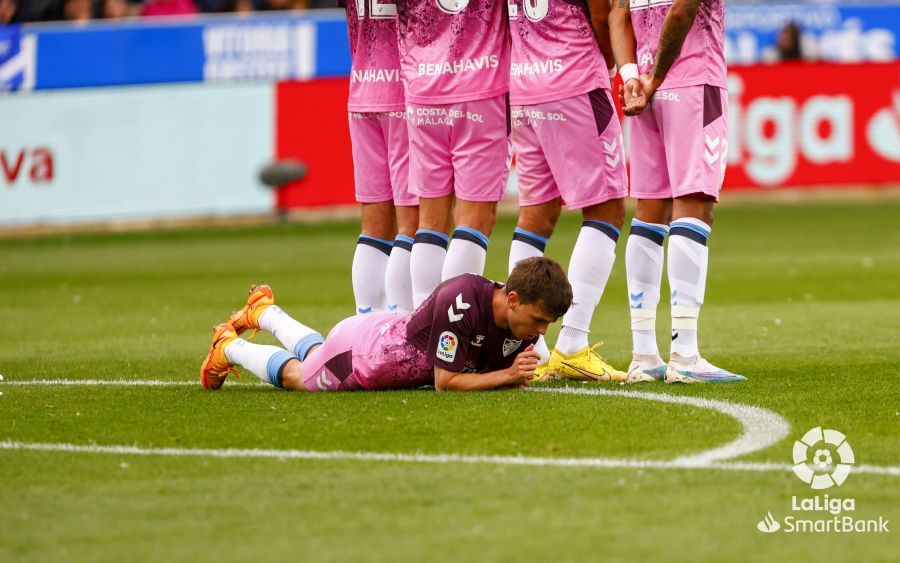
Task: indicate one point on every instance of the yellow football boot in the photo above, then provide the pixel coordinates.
(586, 365)
(543, 373)
(216, 366)
(261, 296)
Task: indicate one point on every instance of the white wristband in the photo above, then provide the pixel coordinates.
(628, 71)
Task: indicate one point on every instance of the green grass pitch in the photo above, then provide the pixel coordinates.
(802, 298)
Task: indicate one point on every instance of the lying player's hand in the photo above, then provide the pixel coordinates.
(632, 98)
(522, 370)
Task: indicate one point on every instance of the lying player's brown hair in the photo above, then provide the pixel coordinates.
(541, 281)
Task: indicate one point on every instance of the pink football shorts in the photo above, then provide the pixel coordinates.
(380, 144)
(570, 148)
(679, 144)
(460, 148)
(367, 352)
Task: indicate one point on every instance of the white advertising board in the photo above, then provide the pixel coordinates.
(135, 153)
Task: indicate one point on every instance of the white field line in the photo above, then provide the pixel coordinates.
(416, 458)
(761, 429)
(99, 382)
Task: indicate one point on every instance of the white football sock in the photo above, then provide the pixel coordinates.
(589, 269)
(644, 258)
(369, 264)
(687, 264)
(294, 335)
(467, 253)
(525, 244)
(397, 282)
(542, 350)
(265, 362)
(571, 340)
(426, 262)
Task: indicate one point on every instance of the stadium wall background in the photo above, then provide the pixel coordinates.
(112, 122)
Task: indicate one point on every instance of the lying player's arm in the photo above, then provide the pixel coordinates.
(599, 10)
(623, 47)
(674, 30)
(517, 375)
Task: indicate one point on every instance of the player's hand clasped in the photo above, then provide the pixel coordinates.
(522, 370)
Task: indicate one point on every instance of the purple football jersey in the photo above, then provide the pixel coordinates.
(702, 58)
(453, 50)
(555, 54)
(376, 83)
(455, 328)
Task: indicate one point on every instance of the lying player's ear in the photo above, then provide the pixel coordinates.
(512, 299)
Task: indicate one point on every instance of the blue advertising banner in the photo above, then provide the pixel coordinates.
(207, 49)
(829, 32)
(16, 60)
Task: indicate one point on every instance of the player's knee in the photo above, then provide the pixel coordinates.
(480, 216)
(435, 214)
(654, 211)
(407, 220)
(697, 206)
(612, 212)
(539, 219)
(292, 376)
(379, 220)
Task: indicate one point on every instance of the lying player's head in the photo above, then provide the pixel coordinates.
(537, 293)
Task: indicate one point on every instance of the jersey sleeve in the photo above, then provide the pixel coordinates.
(453, 326)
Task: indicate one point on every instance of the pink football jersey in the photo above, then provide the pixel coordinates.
(702, 59)
(376, 84)
(555, 54)
(453, 50)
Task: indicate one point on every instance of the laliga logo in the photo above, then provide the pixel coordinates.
(820, 471)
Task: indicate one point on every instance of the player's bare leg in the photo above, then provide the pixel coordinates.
(292, 375)
(379, 227)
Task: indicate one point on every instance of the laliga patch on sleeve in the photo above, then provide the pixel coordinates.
(447, 344)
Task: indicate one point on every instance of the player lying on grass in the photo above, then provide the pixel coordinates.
(470, 334)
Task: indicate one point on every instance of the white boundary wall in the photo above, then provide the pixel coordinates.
(134, 153)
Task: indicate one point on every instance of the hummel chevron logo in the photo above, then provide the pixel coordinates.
(460, 305)
(322, 382)
(610, 147)
(364, 310)
(613, 161)
(710, 153)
